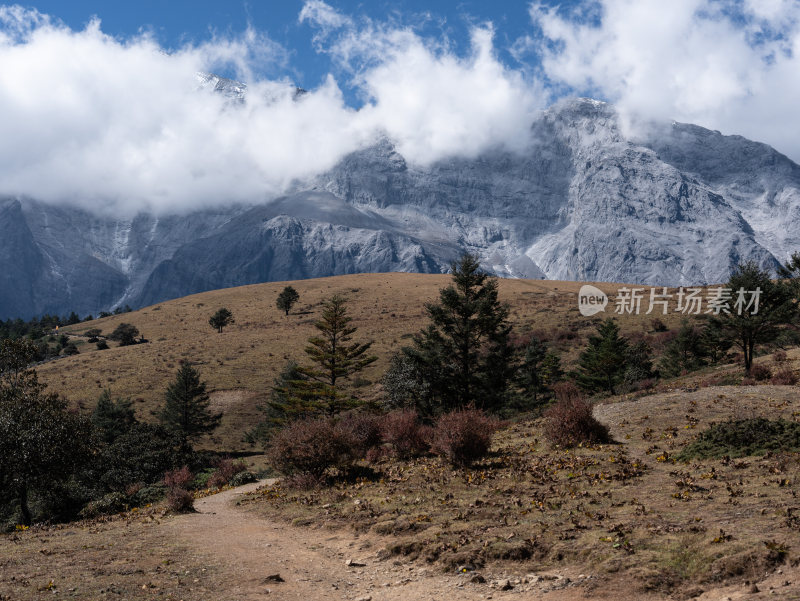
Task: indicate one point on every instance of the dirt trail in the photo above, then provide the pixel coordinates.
(312, 562)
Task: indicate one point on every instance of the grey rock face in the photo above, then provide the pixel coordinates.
(675, 204)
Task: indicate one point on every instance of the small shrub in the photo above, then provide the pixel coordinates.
(309, 446)
(148, 494)
(111, 503)
(304, 481)
(102, 345)
(180, 500)
(785, 377)
(738, 438)
(760, 372)
(226, 470)
(403, 430)
(201, 478)
(748, 382)
(243, 478)
(657, 325)
(779, 356)
(463, 436)
(570, 421)
(178, 478)
(363, 430)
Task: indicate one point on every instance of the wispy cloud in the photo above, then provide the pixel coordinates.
(123, 125)
(724, 64)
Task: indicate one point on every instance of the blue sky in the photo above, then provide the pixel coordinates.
(177, 22)
(112, 114)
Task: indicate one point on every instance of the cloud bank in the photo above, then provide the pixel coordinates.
(124, 125)
(723, 64)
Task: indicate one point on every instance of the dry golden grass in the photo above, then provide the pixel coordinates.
(610, 510)
(240, 364)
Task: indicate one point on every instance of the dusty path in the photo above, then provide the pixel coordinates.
(312, 563)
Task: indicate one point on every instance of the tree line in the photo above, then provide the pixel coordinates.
(56, 462)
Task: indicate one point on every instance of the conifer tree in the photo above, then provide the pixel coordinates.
(464, 356)
(113, 418)
(335, 357)
(540, 369)
(715, 342)
(602, 365)
(186, 409)
(776, 309)
(684, 353)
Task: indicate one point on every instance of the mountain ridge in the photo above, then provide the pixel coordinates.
(669, 204)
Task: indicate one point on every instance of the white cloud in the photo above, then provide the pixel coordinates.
(430, 101)
(728, 65)
(123, 126)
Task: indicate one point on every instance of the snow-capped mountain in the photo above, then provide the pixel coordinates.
(676, 205)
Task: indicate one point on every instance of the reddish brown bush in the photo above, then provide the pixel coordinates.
(407, 435)
(784, 377)
(178, 497)
(567, 391)
(310, 446)
(226, 470)
(760, 372)
(178, 478)
(363, 430)
(304, 481)
(463, 436)
(180, 500)
(570, 421)
(779, 357)
(747, 382)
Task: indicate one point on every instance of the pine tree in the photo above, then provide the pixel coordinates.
(220, 319)
(287, 298)
(776, 309)
(603, 363)
(684, 353)
(186, 408)
(113, 418)
(283, 405)
(335, 358)
(540, 369)
(715, 343)
(464, 356)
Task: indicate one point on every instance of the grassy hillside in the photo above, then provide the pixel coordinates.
(240, 364)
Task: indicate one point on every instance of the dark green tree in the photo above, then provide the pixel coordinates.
(464, 356)
(112, 418)
(715, 342)
(401, 387)
(125, 334)
(777, 309)
(42, 443)
(282, 406)
(287, 298)
(186, 410)
(220, 319)
(602, 365)
(684, 353)
(540, 369)
(335, 357)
